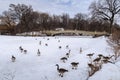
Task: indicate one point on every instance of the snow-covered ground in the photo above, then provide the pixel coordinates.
(32, 67)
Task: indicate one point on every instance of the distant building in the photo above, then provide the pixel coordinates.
(59, 29)
(3, 29)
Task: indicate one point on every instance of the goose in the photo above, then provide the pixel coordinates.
(13, 58)
(21, 49)
(68, 55)
(38, 53)
(25, 51)
(90, 55)
(74, 65)
(63, 59)
(61, 70)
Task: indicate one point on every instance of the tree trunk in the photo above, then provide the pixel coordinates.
(111, 23)
(110, 28)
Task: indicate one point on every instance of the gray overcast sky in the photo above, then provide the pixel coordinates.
(51, 6)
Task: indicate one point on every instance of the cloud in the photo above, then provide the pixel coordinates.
(63, 2)
(5, 3)
(52, 6)
(72, 6)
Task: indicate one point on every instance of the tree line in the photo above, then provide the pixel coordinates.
(22, 18)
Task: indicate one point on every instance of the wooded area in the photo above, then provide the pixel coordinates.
(22, 18)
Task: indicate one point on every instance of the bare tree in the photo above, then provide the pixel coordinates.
(106, 9)
(43, 20)
(8, 20)
(19, 10)
(79, 20)
(65, 20)
(114, 42)
(14, 15)
(56, 21)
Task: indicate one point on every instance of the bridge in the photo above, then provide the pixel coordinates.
(74, 33)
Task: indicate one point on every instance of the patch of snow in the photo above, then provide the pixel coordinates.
(32, 67)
